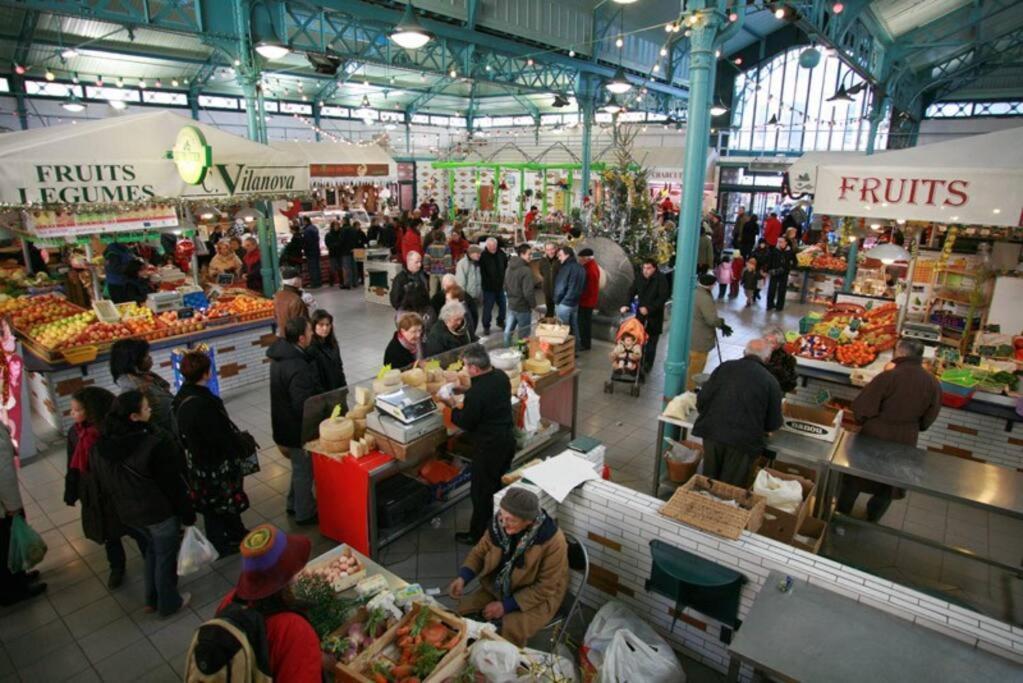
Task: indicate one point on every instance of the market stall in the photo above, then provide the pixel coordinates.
(345, 175)
(125, 180)
(933, 241)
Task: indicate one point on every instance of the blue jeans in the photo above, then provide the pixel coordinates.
(351, 275)
(570, 315)
(300, 493)
(489, 299)
(520, 319)
(163, 540)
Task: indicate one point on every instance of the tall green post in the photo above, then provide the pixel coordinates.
(265, 232)
(451, 194)
(705, 34)
(497, 189)
(543, 199)
(586, 108)
(522, 190)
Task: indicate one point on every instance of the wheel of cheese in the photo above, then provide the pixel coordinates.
(391, 378)
(434, 387)
(337, 429)
(360, 427)
(335, 446)
(538, 366)
(416, 377)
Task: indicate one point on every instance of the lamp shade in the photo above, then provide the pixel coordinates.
(272, 49)
(888, 253)
(618, 85)
(409, 33)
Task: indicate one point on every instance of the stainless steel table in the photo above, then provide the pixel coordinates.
(791, 447)
(812, 634)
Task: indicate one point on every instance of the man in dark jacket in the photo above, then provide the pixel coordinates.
(288, 301)
(293, 380)
(311, 251)
(739, 404)
(410, 289)
(493, 264)
(549, 266)
(897, 405)
(649, 293)
(780, 262)
(485, 415)
(568, 289)
(589, 299)
(333, 241)
(520, 286)
(352, 238)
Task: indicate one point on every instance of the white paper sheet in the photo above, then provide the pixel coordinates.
(560, 474)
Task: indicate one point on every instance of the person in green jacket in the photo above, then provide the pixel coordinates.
(703, 335)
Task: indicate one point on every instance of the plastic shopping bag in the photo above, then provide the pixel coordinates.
(531, 415)
(196, 552)
(630, 659)
(27, 548)
(614, 618)
(783, 494)
(496, 660)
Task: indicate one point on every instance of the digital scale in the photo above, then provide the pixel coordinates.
(404, 432)
(925, 332)
(407, 404)
(158, 302)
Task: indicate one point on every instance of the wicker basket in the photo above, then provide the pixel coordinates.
(689, 506)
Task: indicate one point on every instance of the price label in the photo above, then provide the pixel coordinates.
(186, 313)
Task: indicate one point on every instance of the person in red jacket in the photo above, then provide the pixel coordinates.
(270, 560)
(772, 229)
(458, 244)
(411, 240)
(589, 297)
(532, 216)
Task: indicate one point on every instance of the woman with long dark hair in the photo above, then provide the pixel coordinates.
(215, 453)
(142, 470)
(131, 366)
(326, 352)
(89, 408)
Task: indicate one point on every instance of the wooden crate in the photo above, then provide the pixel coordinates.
(358, 670)
(689, 506)
(561, 356)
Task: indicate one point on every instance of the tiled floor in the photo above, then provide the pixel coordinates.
(81, 631)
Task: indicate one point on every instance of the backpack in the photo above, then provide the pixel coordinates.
(232, 647)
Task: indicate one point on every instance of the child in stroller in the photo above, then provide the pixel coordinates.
(627, 355)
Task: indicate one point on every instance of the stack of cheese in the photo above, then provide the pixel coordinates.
(364, 446)
(336, 434)
(363, 407)
(416, 377)
(539, 364)
(387, 382)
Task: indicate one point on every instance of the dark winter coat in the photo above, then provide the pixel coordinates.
(780, 262)
(293, 379)
(782, 365)
(329, 367)
(333, 242)
(568, 287)
(750, 279)
(899, 404)
(739, 404)
(653, 293)
(99, 516)
(143, 471)
(311, 241)
(441, 339)
(520, 285)
(486, 413)
(214, 452)
(492, 270)
(352, 238)
(750, 232)
(404, 282)
(549, 272)
(397, 356)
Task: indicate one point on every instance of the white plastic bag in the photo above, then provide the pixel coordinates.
(547, 667)
(531, 415)
(495, 660)
(631, 659)
(783, 494)
(196, 552)
(658, 662)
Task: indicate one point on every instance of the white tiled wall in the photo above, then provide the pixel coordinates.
(951, 432)
(621, 516)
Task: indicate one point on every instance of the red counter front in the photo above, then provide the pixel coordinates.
(342, 494)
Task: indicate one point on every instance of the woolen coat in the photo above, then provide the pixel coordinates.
(899, 404)
(538, 585)
(653, 294)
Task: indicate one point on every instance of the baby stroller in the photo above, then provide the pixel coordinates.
(627, 356)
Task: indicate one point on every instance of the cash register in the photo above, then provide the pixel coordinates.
(405, 415)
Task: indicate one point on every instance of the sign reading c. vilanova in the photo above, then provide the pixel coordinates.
(194, 158)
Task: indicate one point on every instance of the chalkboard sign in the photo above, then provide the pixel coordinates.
(185, 313)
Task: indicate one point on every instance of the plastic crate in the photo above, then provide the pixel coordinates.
(106, 311)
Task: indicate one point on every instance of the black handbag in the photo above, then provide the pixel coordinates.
(250, 450)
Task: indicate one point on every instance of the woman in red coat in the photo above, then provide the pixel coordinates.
(411, 240)
(588, 299)
(458, 244)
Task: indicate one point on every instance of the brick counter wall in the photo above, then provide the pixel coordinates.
(617, 524)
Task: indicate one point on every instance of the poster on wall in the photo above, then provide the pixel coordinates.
(45, 224)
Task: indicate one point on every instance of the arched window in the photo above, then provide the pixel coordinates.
(782, 106)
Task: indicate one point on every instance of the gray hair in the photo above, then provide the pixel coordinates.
(909, 348)
(759, 348)
(491, 240)
(448, 279)
(476, 355)
(451, 310)
(775, 333)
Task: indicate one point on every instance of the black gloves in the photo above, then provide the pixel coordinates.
(725, 329)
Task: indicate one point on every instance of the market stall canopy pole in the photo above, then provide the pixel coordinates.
(975, 180)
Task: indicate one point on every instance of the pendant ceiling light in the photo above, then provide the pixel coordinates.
(272, 49)
(773, 121)
(618, 85)
(119, 105)
(409, 33)
(613, 106)
(624, 2)
(73, 104)
(842, 95)
(718, 109)
(888, 253)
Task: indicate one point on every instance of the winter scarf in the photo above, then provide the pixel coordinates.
(512, 552)
(415, 349)
(87, 435)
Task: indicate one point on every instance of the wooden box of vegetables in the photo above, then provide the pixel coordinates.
(414, 649)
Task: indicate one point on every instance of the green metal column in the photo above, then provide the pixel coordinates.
(451, 193)
(476, 183)
(704, 36)
(543, 199)
(522, 190)
(497, 189)
(568, 197)
(587, 112)
(316, 119)
(267, 242)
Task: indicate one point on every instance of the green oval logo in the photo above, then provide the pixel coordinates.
(192, 155)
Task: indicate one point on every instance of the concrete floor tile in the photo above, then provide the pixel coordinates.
(130, 664)
(78, 596)
(112, 638)
(27, 649)
(175, 638)
(93, 616)
(17, 620)
(64, 663)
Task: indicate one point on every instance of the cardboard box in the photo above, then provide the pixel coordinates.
(781, 525)
(798, 470)
(814, 531)
(413, 451)
(815, 422)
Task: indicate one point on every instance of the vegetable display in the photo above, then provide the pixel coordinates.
(815, 346)
(339, 571)
(325, 610)
(856, 354)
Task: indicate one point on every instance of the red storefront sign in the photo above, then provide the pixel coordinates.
(348, 170)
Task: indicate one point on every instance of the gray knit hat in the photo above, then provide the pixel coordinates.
(522, 503)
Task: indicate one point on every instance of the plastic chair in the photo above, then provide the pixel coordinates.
(579, 561)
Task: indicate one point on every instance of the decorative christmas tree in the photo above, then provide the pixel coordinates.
(626, 214)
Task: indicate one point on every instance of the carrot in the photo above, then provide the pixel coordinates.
(405, 642)
(379, 678)
(451, 642)
(404, 630)
(401, 671)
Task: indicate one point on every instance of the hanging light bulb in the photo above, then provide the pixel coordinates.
(738, 61)
(120, 82)
(733, 17)
(19, 69)
(664, 52)
(657, 67)
(271, 49)
(365, 102)
(779, 13)
(73, 104)
(174, 82)
(74, 77)
(69, 53)
(158, 83)
(408, 33)
(99, 81)
(837, 8)
(718, 109)
(453, 73)
(618, 84)
(571, 53)
(142, 83)
(50, 75)
(619, 42)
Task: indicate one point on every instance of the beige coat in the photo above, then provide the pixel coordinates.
(705, 321)
(538, 586)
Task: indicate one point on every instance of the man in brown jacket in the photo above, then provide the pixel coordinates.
(897, 405)
(288, 301)
(522, 565)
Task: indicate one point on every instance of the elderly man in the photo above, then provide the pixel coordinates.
(739, 404)
(549, 265)
(703, 335)
(780, 262)
(410, 289)
(897, 405)
(449, 332)
(522, 565)
(493, 263)
(485, 415)
(781, 364)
